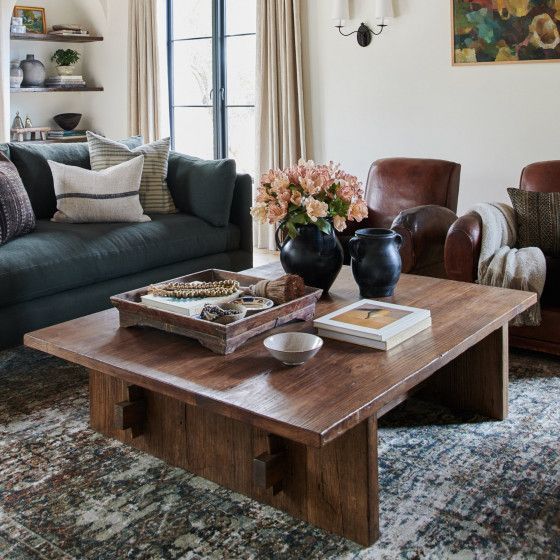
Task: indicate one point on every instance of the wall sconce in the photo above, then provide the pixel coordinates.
(383, 11)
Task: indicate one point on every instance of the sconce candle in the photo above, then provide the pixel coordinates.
(383, 11)
(340, 12)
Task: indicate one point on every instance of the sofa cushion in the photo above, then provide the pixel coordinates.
(154, 194)
(16, 214)
(86, 196)
(538, 220)
(59, 256)
(32, 166)
(203, 188)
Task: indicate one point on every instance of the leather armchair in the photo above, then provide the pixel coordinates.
(418, 199)
(462, 251)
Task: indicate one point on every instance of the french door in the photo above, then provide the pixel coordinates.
(211, 63)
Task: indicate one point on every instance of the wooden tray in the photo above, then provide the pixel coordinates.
(221, 339)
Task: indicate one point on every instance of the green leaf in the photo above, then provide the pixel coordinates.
(299, 218)
(323, 225)
(292, 231)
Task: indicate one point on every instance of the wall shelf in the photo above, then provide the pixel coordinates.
(54, 89)
(54, 38)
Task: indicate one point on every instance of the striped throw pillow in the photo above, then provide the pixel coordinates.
(111, 195)
(538, 220)
(154, 194)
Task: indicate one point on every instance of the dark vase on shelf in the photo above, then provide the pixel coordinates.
(34, 72)
(315, 256)
(376, 261)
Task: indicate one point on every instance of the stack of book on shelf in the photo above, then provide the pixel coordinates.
(374, 324)
(186, 306)
(68, 30)
(62, 134)
(65, 81)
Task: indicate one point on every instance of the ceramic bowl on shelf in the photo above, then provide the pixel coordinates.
(293, 348)
(68, 121)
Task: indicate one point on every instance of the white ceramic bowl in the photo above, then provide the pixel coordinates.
(293, 348)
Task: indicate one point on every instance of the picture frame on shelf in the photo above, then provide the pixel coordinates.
(34, 18)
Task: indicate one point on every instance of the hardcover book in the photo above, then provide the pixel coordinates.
(376, 324)
(186, 306)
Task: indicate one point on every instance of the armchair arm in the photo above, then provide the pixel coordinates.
(240, 210)
(462, 248)
(424, 230)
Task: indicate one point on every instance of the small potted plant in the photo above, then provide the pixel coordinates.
(65, 60)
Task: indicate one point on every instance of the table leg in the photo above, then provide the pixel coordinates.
(477, 380)
(334, 487)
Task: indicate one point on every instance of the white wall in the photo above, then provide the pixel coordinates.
(102, 63)
(401, 97)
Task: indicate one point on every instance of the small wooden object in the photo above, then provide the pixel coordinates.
(221, 339)
(269, 468)
(39, 132)
(131, 414)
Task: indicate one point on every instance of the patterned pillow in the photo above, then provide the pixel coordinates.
(154, 194)
(538, 220)
(111, 195)
(16, 214)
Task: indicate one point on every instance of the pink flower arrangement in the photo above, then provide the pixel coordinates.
(308, 193)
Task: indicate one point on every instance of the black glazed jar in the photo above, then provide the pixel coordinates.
(376, 261)
(314, 255)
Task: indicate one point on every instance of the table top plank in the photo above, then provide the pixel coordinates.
(313, 403)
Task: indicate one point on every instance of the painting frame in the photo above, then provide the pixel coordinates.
(39, 14)
(454, 62)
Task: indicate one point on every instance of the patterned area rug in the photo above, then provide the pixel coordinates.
(451, 487)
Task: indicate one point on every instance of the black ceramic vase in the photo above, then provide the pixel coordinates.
(376, 261)
(315, 256)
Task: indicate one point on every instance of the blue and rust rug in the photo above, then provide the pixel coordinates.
(451, 487)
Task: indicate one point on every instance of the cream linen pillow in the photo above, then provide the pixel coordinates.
(111, 195)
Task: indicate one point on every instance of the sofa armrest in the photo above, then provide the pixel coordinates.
(462, 248)
(424, 229)
(240, 210)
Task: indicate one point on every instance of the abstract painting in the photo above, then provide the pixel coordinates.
(498, 31)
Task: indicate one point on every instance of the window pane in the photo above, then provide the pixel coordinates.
(192, 72)
(192, 18)
(241, 138)
(194, 132)
(241, 61)
(241, 16)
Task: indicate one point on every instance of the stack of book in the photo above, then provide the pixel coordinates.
(186, 306)
(68, 30)
(65, 81)
(374, 324)
(61, 134)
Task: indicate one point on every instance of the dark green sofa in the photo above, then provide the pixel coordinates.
(63, 271)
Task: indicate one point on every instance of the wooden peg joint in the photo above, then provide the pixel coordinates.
(131, 414)
(269, 468)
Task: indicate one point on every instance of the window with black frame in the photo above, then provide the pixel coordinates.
(211, 63)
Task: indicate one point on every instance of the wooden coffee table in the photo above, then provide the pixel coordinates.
(303, 439)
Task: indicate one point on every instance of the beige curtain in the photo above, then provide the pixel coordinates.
(280, 122)
(143, 70)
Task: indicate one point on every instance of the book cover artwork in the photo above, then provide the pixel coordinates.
(371, 316)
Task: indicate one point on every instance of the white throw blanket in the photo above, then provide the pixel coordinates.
(500, 265)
